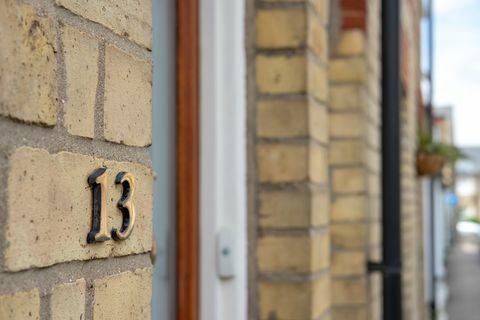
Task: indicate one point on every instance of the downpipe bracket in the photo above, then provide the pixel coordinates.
(383, 268)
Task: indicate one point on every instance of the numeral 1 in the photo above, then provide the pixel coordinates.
(98, 182)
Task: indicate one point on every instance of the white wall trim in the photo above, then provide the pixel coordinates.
(223, 202)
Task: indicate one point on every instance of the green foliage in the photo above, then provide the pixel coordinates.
(449, 153)
(474, 219)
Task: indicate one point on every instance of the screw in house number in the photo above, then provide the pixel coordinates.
(99, 183)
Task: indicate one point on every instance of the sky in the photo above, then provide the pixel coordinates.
(457, 65)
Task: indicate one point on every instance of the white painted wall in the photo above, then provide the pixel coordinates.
(223, 156)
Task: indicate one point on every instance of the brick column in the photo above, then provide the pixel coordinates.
(355, 161)
(292, 256)
(412, 235)
(75, 79)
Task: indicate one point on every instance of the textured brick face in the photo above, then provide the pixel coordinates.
(59, 209)
(73, 74)
(81, 63)
(129, 18)
(27, 64)
(125, 296)
(128, 99)
(20, 306)
(68, 301)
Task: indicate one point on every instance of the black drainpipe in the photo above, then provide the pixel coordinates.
(391, 267)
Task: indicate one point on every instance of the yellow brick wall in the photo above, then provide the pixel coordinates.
(75, 79)
(355, 168)
(412, 237)
(291, 183)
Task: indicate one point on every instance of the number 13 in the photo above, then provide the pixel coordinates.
(98, 182)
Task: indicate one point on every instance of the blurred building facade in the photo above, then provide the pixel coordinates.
(267, 152)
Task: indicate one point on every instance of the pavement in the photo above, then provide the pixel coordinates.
(464, 279)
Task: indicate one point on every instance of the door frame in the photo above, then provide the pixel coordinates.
(187, 152)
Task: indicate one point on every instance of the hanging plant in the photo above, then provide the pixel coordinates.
(432, 156)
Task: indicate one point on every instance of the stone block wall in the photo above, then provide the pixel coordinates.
(75, 79)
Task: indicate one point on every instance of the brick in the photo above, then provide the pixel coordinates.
(281, 74)
(282, 162)
(322, 8)
(347, 125)
(27, 64)
(81, 64)
(284, 209)
(33, 223)
(347, 69)
(348, 263)
(321, 300)
(68, 301)
(128, 99)
(282, 118)
(351, 43)
(320, 208)
(347, 97)
(344, 152)
(317, 38)
(318, 164)
(349, 291)
(318, 122)
(373, 135)
(351, 313)
(306, 300)
(349, 180)
(130, 18)
(349, 208)
(281, 28)
(301, 254)
(20, 306)
(124, 296)
(349, 235)
(317, 81)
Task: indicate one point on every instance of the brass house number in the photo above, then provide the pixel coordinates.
(99, 184)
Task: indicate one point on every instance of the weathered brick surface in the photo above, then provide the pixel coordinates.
(58, 208)
(349, 263)
(347, 125)
(282, 162)
(281, 28)
(27, 64)
(349, 208)
(124, 296)
(317, 81)
(347, 69)
(307, 300)
(349, 291)
(68, 301)
(347, 97)
(128, 98)
(20, 306)
(318, 122)
(293, 209)
(349, 235)
(293, 254)
(282, 118)
(348, 180)
(281, 74)
(351, 42)
(129, 18)
(81, 64)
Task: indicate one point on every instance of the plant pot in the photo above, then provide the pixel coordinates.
(429, 164)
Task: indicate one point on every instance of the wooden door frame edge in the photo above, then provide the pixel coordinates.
(187, 152)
